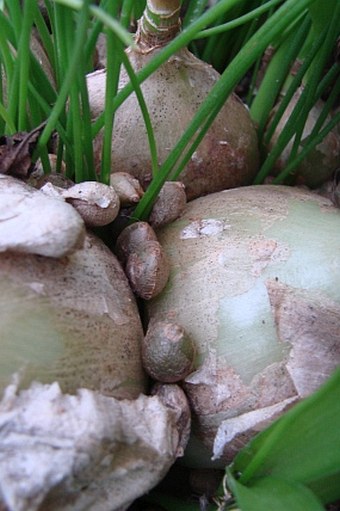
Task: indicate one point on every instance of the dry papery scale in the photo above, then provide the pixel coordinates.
(228, 155)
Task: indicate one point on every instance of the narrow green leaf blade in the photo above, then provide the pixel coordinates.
(274, 494)
(302, 446)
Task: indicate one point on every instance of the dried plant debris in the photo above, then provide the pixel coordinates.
(16, 152)
(88, 451)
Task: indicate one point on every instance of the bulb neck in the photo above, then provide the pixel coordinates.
(159, 24)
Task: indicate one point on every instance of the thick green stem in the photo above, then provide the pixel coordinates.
(159, 24)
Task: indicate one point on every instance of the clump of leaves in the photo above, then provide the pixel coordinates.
(233, 34)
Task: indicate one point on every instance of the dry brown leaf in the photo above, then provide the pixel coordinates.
(16, 152)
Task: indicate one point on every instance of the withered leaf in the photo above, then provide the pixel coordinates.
(16, 152)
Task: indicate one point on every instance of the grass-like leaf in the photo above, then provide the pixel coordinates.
(276, 74)
(100, 14)
(112, 80)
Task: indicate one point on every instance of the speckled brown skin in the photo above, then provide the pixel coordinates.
(255, 280)
(169, 205)
(226, 158)
(147, 269)
(73, 320)
(143, 258)
(131, 237)
(97, 203)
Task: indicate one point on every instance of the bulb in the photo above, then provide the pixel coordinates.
(254, 283)
(228, 155)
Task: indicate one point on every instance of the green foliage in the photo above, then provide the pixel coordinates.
(232, 34)
(274, 493)
(56, 92)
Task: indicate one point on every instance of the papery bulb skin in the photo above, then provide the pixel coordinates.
(228, 155)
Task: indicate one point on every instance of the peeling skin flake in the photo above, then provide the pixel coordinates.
(230, 429)
(79, 452)
(103, 202)
(203, 228)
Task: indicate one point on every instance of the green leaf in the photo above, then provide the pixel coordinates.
(122, 34)
(321, 13)
(302, 446)
(271, 493)
(7, 118)
(327, 488)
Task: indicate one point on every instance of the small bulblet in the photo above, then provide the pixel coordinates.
(167, 352)
(169, 205)
(147, 270)
(131, 237)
